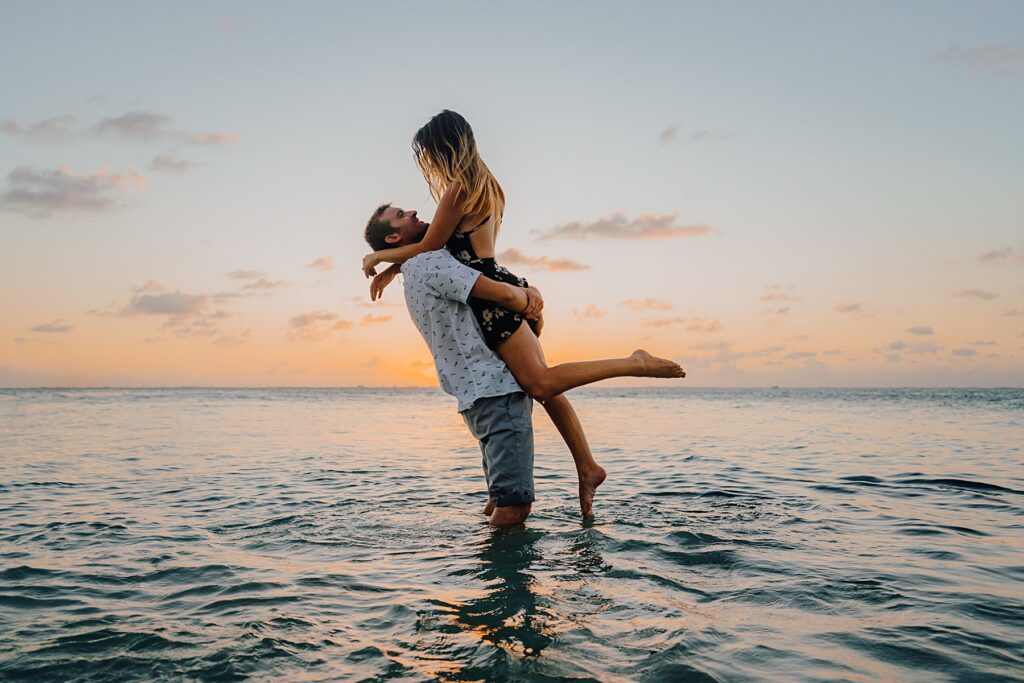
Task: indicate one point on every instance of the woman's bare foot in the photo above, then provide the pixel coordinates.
(489, 508)
(652, 366)
(588, 488)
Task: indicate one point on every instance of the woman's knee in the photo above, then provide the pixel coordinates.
(537, 385)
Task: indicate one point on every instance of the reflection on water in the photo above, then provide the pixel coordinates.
(742, 535)
(507, 615)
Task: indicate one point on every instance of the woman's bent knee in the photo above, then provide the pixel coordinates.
(538, 387)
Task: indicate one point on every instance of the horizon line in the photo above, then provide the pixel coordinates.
(362, 387)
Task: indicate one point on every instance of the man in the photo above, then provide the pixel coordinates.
(493, 405)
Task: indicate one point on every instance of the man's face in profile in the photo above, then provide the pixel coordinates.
(410, 228)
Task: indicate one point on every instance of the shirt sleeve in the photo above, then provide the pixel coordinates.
(445, 277)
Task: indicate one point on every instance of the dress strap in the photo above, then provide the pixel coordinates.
(470, 232)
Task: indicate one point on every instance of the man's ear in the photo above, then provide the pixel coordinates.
(393, 238)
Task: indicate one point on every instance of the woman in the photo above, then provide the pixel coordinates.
(470, 207)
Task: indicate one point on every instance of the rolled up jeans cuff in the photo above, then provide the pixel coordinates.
(504, 497)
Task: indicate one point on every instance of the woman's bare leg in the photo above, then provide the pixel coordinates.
(523, 356)
(588, 472)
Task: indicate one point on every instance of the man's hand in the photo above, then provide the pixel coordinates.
(382, 280)
(370, 263)
(535, 306)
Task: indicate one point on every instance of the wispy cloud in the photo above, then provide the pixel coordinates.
(56, 327)
(146, 126)
(689, 324)
(923, 347)
(975, 294)
(923, 330)
(766, 351)
(710, 134)
(801, 355)
(56, 129)
(711, 346)
(1006, 255)
(618, 226)
(964, 353)
(264, 283)
(175, 303)
(169, 163)
(779, 293)
(323, 263)
(232, 340)
(984, 342)
(315, 325)
(185, 315)
(513, 256)
(849, 307)
(591, 311)
(210, 138)
(370, 319)
(992, 60)
(246, 274)
(648, 304)
(42, 193)
(138, 126)
(133, 126)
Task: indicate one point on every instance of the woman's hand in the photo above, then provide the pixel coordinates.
(370, 263)
(535, 305)
(381, 281)
(538, 325)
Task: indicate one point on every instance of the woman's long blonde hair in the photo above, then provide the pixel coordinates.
(446, 152)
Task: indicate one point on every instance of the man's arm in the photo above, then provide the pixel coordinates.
(443, 275)
(511, 297)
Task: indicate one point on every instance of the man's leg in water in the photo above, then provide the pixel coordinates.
(510, 515)
(590, 474)
(504, 428)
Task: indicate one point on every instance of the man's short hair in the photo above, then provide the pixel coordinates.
(377, 229)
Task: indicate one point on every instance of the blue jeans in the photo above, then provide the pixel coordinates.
(504, 427)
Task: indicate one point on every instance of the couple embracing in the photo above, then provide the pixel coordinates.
(471, 311)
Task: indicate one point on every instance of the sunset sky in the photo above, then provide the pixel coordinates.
(792, 193)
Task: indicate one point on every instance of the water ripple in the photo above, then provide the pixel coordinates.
(781, 535)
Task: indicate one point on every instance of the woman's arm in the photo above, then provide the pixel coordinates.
(446, 218)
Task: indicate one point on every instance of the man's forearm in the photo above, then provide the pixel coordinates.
(501, 293)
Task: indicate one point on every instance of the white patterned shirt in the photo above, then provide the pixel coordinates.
(437, 287)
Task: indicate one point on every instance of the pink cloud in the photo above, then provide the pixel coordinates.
(591, 311)
(689, 324)
(211, 138)
(514, 257)
(323, 263)
(648, 304)
(618, 226)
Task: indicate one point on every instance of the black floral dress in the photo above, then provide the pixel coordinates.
(496, 322)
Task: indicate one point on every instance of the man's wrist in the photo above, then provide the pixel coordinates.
(517, 299)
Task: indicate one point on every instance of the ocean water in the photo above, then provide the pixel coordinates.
(323, 535)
